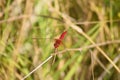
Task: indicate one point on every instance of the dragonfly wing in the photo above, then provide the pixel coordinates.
(63, 35)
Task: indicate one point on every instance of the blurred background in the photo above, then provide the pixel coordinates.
(28, 29)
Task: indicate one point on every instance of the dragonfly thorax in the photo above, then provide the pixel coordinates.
(57, 43)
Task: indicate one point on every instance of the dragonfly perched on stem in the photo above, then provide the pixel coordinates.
(58, 42)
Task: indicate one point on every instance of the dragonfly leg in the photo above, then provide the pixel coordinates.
(54, 56)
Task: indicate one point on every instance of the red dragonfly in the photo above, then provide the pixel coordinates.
(58, 42)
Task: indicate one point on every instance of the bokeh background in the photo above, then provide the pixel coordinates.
(28, 29)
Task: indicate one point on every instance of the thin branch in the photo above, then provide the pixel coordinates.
(37, 67)
(89, 47)
(109, 67)
(95, 22)
(92, 63)
(11, 19)
(14, 18)
(54, 18)
(100, 63)
(27, 16)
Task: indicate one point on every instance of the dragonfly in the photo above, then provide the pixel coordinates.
(58, 42)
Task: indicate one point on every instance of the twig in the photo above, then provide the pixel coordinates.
(92, 63)
(95, 22)
(14, 18)
(109, 67)
(54, 18)
(27, 16)
(89, 47)
(37, 67)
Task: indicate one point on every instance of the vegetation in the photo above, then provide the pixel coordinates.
(90, 49)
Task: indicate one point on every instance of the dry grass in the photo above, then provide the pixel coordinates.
(91, 46)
